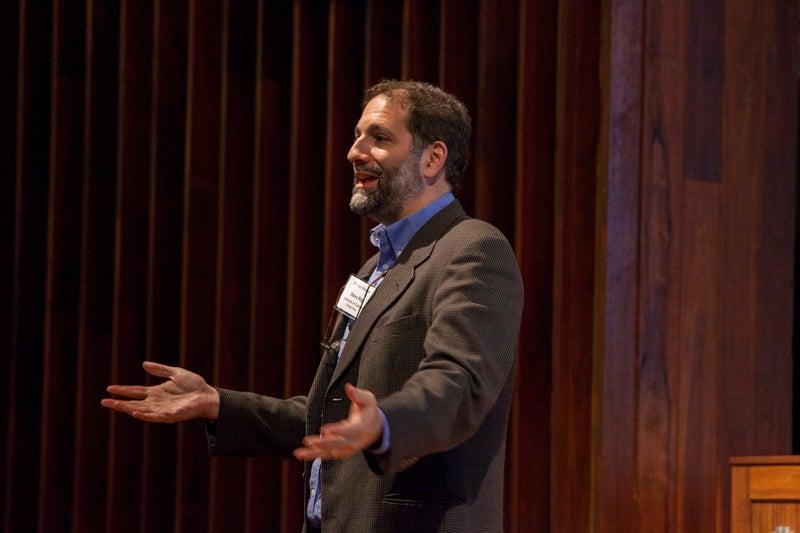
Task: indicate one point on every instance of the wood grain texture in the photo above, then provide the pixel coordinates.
(528, 476)
(63, 262)
(93, 366)
(166, 213)
(201, 196)
(130, 254)
(9, 40)
(383, 58)
(179, 194)
(495, 115)
(269, 247)
(458, 58)
(660, 241)
(345, 81)
(305, 204)
(30, 216)
(577, 130)
(765, 493)
(616, 358)
(232, 334)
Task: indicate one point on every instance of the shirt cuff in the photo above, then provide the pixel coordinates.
(386, 439)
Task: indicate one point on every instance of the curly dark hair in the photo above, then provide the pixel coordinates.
(433, 115)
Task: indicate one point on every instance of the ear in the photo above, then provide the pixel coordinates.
(434, 159)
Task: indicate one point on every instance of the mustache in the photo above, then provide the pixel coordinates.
(376, 171)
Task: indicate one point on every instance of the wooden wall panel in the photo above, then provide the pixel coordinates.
(200, 248)
(165, 233)
(528, 476)
(660, 233)
(93, 366)
(705, 383)
(306, 208)
(31, 176)
(130, 267)
(63, 272)
(577, 131)
(9, 37)
(227, 509)
(179, 194)
(383, 58)
(345, 82)
(421, 36)
(458, 60)
(269, 246)
(494, 116)
(615, 358)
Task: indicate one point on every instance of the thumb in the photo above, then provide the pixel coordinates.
(157, 369)
(360, 397)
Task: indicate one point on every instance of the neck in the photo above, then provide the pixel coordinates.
(411, 206)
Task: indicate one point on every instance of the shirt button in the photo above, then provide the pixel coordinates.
(313, 492)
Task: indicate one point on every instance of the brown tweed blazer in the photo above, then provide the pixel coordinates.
(436, 344)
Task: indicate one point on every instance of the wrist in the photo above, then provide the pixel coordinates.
(212, 407)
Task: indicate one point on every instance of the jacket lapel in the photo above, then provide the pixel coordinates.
(395, 282)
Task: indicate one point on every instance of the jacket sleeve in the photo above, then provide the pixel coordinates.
(469, 355)
(249, 423)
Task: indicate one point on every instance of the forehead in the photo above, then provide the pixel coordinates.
(385, 113)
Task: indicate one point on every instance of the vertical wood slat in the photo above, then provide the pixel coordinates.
(383, 58)
(527, 474)
(130, 278)
(744, 371)
(165, 205)
(27, 319)
(616, 358)
(97, 264)
(577, 126)
(62, 273)
(344, 86)
(306, 188)
(703, 131)
(457, 74)
(759, 92)
(700, 342)
(420, 38)
(9, 49)
(779, 188)
(661, 240)
(227, 508)
(269, 246)
(200, 226)
(496, 114)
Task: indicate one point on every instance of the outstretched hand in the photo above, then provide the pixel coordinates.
(184, 396)
(343, 439)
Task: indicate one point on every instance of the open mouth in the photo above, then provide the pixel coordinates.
(364, 179)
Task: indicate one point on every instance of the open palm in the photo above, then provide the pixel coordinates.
(183, 396)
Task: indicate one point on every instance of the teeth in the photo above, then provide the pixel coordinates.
(365, 177)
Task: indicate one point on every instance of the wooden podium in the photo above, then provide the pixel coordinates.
(765, 494)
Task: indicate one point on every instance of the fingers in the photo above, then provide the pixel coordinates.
(128, 391)
(326, 448)
(157, 369)
(360, 397)
(140, 409)
(123, 406)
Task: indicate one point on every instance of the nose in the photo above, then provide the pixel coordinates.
(356, 154)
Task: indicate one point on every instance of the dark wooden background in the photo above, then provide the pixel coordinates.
(173, 186)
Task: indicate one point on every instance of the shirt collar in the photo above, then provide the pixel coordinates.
(392, 239)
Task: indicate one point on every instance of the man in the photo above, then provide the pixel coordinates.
(404, 426)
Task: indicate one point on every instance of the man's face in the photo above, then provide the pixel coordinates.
(386, 167)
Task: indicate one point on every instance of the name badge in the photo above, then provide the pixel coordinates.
(354, 297)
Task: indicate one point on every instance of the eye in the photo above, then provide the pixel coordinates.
(380, 137)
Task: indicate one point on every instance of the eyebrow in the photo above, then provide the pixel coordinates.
(372, 128)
